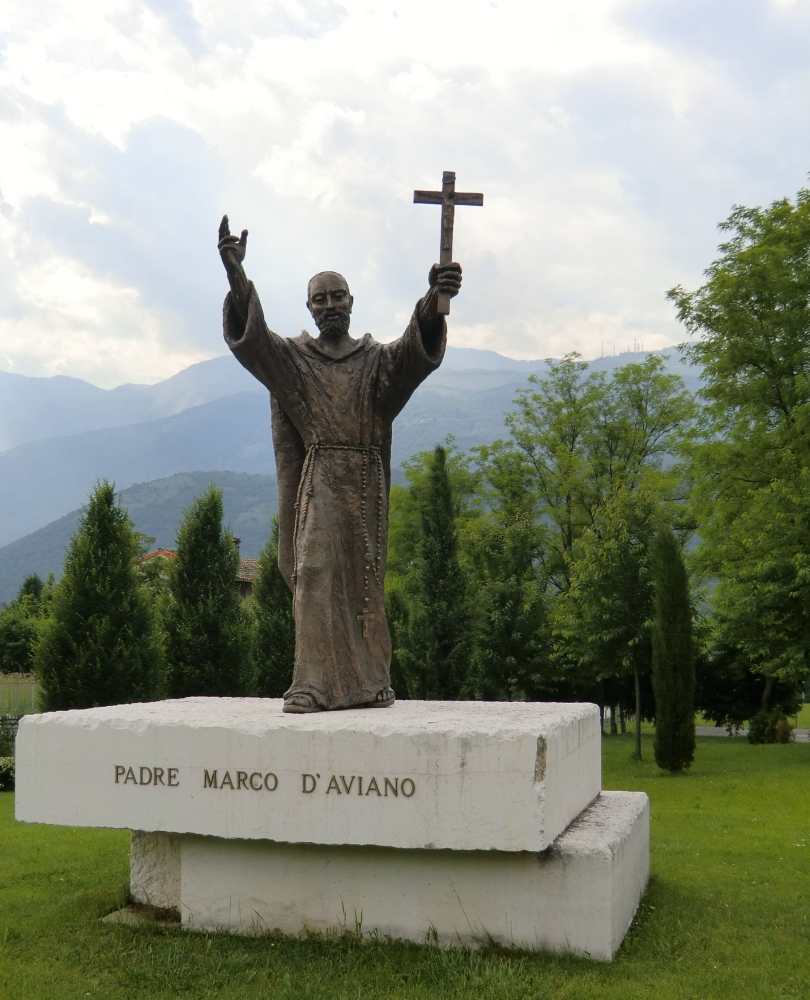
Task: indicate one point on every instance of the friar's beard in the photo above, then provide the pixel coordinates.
(335, 325)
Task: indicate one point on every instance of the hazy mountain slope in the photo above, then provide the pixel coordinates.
(155, 508)
(39, 482)
(34, 409)
(42, 480)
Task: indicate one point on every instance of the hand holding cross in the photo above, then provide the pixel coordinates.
(448, 198)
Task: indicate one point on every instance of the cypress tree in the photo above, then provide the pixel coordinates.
(99, 645)
(274, 635)
(206, 626)
(673, 663)
(437, 660)
(396, 611)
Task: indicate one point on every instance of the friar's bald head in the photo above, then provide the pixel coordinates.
(330, 302)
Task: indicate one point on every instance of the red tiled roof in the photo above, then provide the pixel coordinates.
(163, 553)
(248, 570)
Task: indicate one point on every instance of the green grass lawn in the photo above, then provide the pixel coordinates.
(725, 916)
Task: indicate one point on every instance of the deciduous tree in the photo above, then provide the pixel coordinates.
(603, 622)
(750, 461)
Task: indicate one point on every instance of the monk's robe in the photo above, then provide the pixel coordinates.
(331, 422)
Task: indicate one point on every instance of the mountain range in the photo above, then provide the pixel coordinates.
(59, 435)
(155, 509)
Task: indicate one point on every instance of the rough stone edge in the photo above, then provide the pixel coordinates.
(154, 870)
(610, 838)
(600, 829)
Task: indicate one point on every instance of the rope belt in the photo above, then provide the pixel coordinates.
(371, 455)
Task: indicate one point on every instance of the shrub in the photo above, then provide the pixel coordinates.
(770, 727)
(6, 774)
(8, 732)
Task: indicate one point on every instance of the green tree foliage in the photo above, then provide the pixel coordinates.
(591, 444)
(21, 623)
(207, 630)
(581, 446)
(602, 623)
(98, 646)
(32, 587)
(673, 663)
(436, 661)
(585, 436)
(726, 690)
(396, 611)
(274, 627)
(511, 657)
(19, 631)
(750, 460)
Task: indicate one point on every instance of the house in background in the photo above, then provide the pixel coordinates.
(246, 572)
(245, 575)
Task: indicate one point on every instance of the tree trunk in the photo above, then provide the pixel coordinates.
(766, 694)
(638, 713)
(613, 729)
(622, 719)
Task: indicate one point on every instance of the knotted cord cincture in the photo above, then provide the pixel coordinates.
(305, 492)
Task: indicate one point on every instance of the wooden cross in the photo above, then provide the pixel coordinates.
(448, 198)
(365, 617)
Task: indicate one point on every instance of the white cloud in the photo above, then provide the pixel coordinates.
(305, 168)
(607, 144)
(78, 324)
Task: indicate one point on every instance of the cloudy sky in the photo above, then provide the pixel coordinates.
(609, 138)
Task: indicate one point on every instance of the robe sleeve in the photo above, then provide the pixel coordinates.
(269, 358)
(407, 362)
(266, 356)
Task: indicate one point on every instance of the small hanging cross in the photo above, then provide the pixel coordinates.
(365, 617)
(448, 198)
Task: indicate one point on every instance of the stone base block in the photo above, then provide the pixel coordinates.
(578, 896)
(154, 870)
(500, 776)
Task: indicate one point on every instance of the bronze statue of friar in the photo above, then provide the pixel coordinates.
(333, 401)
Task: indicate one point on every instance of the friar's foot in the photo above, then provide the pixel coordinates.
(300, 704)
(384, 698)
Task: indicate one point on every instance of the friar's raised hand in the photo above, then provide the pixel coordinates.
(232, 249)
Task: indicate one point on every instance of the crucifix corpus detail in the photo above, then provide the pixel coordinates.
(333, 401)
(448, 198)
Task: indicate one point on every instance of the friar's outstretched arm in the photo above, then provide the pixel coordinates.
(232, 250)
(442, 278)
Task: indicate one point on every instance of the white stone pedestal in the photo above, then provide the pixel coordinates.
(464, 821)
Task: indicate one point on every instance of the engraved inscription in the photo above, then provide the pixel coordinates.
(256, 781)
(381, 787)
(341, 785)
(165, 776)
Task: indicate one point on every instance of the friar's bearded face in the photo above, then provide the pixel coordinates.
(330, 302)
